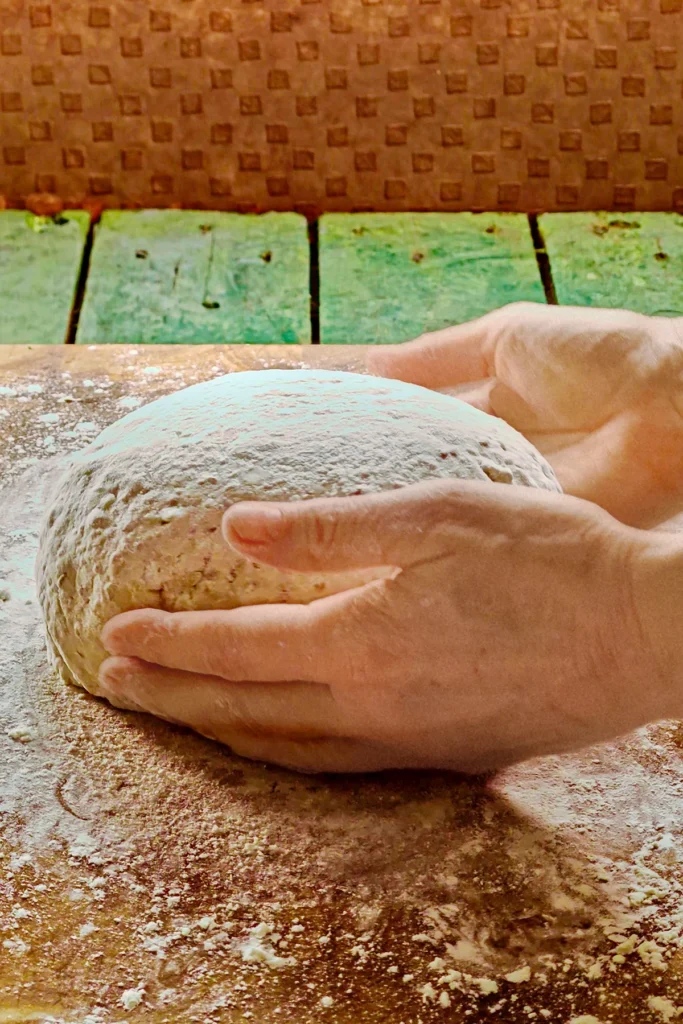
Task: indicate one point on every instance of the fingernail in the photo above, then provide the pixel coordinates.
(108, 640)
(113, 687)
(108, 678)
(113, 632)
(253, 522)
(117, 674)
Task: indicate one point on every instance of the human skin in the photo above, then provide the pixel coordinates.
(599, 392)
(521, 622)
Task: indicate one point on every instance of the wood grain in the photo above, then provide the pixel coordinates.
(617, 260)
(390, 277)
(190, 277)
(40, 259)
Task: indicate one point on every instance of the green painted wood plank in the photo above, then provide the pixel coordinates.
(40, 260)
(631, 261)
(191, 277)
(389, 277)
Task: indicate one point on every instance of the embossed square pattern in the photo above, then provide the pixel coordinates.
(344, 104)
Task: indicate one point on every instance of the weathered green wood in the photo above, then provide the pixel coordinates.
(631, 261)
(40, 260)
(389, 277)
(190, 277)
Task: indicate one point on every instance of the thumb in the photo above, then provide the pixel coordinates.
(392, 528)
(455, 355)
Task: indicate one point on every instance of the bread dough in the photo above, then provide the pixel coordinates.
(135, 520)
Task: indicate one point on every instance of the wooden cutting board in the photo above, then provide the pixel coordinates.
(147, 875)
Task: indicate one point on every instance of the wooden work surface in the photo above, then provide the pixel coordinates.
(136, 860)
(189, 277)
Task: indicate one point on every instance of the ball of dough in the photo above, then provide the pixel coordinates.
(135, 522)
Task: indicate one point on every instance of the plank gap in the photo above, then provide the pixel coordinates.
(617, 260)
(314, 278)
(81, 285)
(543, 260)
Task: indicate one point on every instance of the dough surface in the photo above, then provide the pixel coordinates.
(135, 520)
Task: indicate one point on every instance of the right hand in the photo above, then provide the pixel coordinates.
(599, 392)
(521, 623)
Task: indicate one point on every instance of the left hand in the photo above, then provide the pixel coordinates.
(510, 631)
(598, 391)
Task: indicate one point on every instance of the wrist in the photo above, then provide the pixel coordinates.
(657, 587)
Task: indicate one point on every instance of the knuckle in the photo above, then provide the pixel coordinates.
(366, 642)
(158, 626)
(321, 534)
(523, 307)
(517, 314)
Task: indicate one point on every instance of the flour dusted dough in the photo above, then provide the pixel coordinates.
(135, 521)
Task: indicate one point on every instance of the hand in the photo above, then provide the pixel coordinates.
(511, 630)
(599, 392)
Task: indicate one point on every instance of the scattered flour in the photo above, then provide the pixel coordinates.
(132, 998)
(572, 866)
(663, 1006)
(22, 734)
(519, 976)
(129, 402)
(256, 948)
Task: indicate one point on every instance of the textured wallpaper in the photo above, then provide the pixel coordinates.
(363, 104)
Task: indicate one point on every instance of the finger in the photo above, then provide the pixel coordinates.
(262, 643)
(497, 399)
(332, 756)
(507, 404)
(393, 528)
(217, 708)
(478, 396)
(454, 355)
